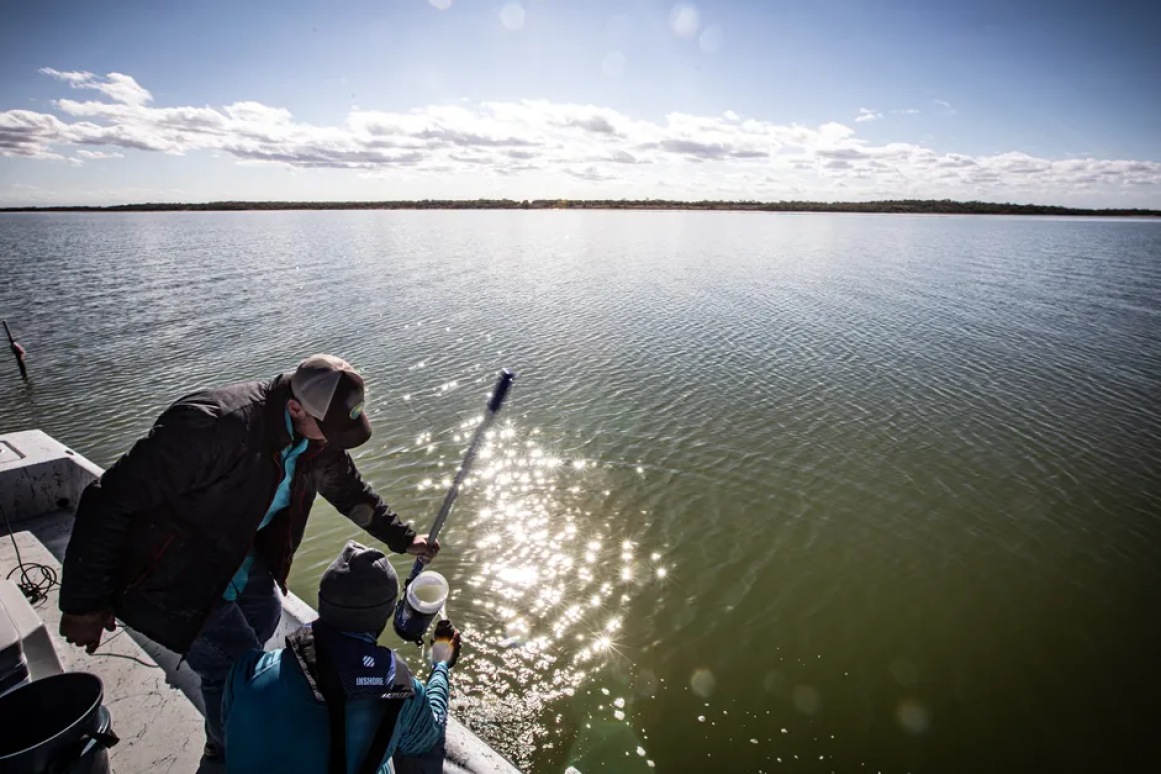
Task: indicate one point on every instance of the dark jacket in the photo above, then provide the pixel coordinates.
(159, 536)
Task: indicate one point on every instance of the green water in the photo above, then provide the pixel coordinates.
(428, 595)
(772, 492)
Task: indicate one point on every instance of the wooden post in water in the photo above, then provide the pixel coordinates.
(17, 351)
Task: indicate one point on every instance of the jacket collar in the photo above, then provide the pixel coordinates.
(341, 668)
(274, 412)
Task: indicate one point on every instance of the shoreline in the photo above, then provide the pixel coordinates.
(899, 207)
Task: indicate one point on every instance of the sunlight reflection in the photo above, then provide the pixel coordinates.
(521, 576)
(549, 583)
(548, 569)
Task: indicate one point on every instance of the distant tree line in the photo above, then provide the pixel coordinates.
(915, 206)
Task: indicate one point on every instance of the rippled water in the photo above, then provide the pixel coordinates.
(772, 492)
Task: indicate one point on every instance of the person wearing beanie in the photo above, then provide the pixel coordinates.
(189, 536)
(284, 710)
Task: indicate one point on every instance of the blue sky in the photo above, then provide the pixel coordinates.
(1023, 101)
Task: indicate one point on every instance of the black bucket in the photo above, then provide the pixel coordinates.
(56, 726)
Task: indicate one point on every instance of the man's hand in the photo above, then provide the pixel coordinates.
(425, 550)
(85, 630)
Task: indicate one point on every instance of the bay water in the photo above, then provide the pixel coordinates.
(772, 492)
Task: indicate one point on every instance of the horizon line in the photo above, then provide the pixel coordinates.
(880, 206)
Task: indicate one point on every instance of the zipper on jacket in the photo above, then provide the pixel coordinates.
(218, 595)
(299, 474)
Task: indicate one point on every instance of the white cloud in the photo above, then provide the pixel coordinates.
(28, 134)
(846, 154)
(907, 112)
(590, 173)
(622, 157)
(256, 111)
(98, 155)
(536, 147)
(74, 79)
(942, 104)
(121, 88)
(866, 114)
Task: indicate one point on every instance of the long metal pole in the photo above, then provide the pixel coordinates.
(503, 384)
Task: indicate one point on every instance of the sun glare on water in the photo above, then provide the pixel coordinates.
(542, 583)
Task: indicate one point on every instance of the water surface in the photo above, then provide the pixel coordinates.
(773, 492)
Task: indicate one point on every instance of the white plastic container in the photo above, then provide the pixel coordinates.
(432, 586)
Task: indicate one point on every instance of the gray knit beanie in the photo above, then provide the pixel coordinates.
(358, 591)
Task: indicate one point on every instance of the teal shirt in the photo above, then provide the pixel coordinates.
(280, 501)
(273, 722)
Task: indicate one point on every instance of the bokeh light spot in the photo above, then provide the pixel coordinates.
(703, 683)
(684, 20)
(913, 717)
(512, 16)
(711, 39)
(807, 700)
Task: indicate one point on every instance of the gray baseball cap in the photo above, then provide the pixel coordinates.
(332, 392)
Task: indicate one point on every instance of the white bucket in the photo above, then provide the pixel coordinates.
(435, 587)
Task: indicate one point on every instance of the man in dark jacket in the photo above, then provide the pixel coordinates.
(186, 537)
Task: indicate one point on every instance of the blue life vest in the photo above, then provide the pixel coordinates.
(339, 669)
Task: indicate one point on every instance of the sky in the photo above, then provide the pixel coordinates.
(107, 102)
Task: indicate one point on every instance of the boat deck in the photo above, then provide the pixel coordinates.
(160, 730)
